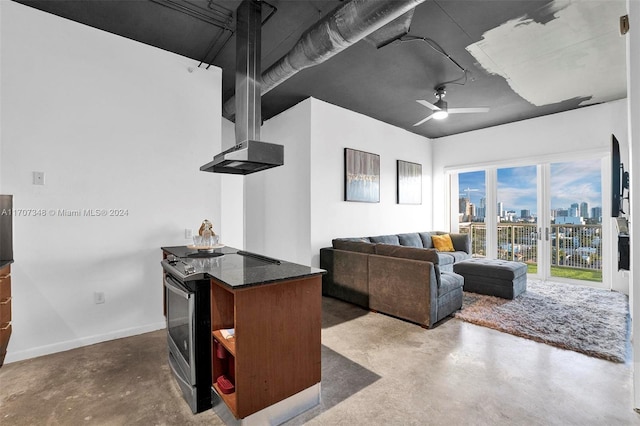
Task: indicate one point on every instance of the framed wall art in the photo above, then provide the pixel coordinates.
(409, 183)
(361, 176)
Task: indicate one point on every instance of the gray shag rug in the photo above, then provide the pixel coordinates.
(579, 318)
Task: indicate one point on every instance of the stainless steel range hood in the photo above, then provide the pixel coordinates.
(249, 155)
(246, 157)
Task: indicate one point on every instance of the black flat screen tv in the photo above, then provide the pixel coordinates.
(619, 179)
(615, 177)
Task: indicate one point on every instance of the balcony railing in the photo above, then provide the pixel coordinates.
(572, 246)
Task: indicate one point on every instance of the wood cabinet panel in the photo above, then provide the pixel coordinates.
(277, 340)
(5, 288)
(5, 333)
(5, 310)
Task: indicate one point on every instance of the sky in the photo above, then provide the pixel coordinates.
(571, 182)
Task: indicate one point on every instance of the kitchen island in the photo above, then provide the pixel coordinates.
(270, 370)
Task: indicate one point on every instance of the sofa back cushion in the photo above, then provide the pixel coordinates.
(410, 240)
(386, 239)
(428, 255)
(426, 239)
(352, 245)
(461, 242)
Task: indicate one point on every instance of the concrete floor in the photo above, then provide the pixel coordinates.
(375, 370)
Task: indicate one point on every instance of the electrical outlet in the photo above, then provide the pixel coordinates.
(38, 178)
(98, 297)
(188, 234)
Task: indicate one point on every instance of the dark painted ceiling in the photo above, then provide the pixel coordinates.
(384, 83)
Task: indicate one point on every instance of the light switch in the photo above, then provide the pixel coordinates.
(38, 178)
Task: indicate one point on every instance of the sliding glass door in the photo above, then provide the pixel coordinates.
(573, 228)
(472, 209)
(547, 215)
(517, 215)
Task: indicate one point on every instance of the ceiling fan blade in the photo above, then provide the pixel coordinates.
(427, 104)
(424, 120)
(466, 110)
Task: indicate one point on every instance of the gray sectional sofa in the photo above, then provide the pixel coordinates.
(400, 275)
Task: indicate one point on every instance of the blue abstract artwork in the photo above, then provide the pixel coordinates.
(362, 176)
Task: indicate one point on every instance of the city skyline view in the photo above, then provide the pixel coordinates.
(571, 182)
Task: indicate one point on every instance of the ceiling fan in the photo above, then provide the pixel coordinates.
(441, 110)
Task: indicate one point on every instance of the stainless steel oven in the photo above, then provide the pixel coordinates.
(188, 334)
(180, 328)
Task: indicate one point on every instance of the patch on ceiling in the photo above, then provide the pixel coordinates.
(576, 53)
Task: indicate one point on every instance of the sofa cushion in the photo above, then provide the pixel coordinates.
(359, 239)
(459, 256)
(357, 246)
(445, 260)
(386, 239)
(410, 240)
(449, 281)
(426, 239)
(461, 242)
(442, 242)
(413, 253)
(429, 255)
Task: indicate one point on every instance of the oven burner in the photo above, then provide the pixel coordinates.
(204, 254)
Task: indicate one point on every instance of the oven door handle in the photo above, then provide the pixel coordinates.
(174, 286)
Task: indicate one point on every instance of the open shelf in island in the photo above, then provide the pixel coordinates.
(229, 344)
(229, 399)
(275, 353)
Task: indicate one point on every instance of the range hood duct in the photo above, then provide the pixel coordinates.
(249, 154)
(342, 28)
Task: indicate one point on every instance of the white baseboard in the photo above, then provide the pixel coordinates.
(80, 342)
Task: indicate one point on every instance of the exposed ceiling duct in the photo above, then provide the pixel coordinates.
(340, 29)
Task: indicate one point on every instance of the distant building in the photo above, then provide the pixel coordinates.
(510, 216)
(465, 209)
(524, 214)
(596, 213)
(481, 209)
(584, 210)
(562, 213)
(481, 212)
(574, 210)
(471, 211)
(500, 209)
(462, 204)
(569, 220)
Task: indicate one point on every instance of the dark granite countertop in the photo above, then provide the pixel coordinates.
(4, 263)
(233, 267)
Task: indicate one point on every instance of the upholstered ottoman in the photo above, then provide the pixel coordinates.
(500, 278)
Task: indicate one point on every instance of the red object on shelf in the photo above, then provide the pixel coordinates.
(221, 352)
(225, 385)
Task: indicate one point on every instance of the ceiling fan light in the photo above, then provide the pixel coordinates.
(439, 115)
(442, 112)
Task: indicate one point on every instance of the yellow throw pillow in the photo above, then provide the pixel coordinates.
(442, 242)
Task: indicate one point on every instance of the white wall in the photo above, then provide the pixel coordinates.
(334, 129)
(296, 209)
(633, 88)
(231, 197)
(113, 124)
(278, 200)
